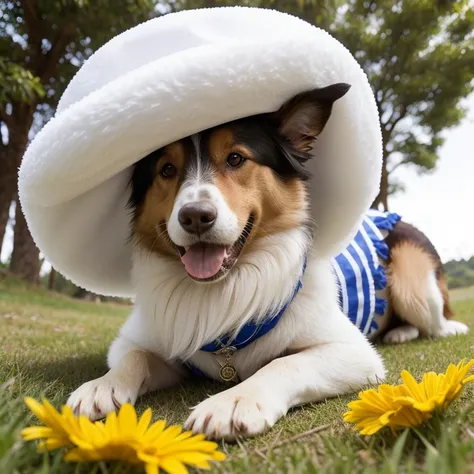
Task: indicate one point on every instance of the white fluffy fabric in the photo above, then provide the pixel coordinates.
(169, 78)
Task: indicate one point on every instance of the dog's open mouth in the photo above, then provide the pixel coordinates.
(206, 261)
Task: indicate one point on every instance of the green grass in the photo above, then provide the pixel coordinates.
(50, 344)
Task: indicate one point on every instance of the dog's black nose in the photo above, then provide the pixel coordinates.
(197, 217)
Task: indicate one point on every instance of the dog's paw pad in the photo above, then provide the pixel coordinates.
(99, 397)
(401, 334)
(229, 415)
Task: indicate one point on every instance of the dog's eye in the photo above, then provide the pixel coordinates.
(234, 160)
(168, 171)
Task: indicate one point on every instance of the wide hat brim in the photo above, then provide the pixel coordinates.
(169, 78)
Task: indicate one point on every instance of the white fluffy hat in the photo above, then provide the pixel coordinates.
(169, 78)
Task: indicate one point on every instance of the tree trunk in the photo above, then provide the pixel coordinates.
(52, 280)
(8, 173)
(381, 201)
(10, 159)
(25, 256)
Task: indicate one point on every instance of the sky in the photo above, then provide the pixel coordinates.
(441, 203)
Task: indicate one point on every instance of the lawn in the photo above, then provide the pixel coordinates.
(50, 344)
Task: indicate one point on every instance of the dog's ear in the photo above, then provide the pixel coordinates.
(303, 117)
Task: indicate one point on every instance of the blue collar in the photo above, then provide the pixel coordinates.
(251, 331)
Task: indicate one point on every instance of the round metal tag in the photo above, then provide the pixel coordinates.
(227, 372)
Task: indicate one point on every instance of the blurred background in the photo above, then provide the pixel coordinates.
(418, 54)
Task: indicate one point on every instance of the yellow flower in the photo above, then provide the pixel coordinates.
(456, 379)
(124, 437)
(435, 392)
(59, 426)
(409, 404)
(376, 409)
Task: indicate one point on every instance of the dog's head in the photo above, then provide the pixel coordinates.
(206, 198)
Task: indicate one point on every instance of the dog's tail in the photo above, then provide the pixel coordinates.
(417, 285)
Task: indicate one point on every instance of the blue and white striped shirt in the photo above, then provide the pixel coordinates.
(360, 274)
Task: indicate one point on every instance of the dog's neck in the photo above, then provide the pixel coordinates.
(190, 314)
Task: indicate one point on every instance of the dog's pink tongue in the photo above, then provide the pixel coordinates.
(204, 260)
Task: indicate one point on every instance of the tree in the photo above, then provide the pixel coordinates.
(318, 12)
(419, 57)
(45, 42)
(460, 273)
(418, 54)
(19, 86)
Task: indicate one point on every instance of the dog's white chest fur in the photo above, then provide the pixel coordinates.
(175, 316)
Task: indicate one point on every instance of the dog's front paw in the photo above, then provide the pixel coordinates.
(99, 397)
(234, 413)
(452, 328)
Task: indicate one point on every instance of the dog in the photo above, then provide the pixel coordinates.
(222, 238)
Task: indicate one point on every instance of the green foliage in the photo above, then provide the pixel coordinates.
(460, 273)
(18, 84)
(62, 284)
(9, 431)
(419, 57)
(318, 12)
(46, 40)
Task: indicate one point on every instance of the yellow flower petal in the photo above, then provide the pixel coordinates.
(173, 466)
(127, 418)
(35, 407)
(218, 456)
(411, 385)
(151, 468)
(54, 418)
(172, 431)
(75, 455)
(36, 432)
(155, 432)
(467, 380)
(144, 422)
(147, 458)
(409, 404)
(51, 444)
(194, 459)
(111, 422)
(369, 428)
(188, 445)
(88, 435)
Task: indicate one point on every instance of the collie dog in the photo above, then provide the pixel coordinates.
(227, 285)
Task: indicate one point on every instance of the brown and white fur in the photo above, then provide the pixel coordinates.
(237, 192)
(417, 291)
